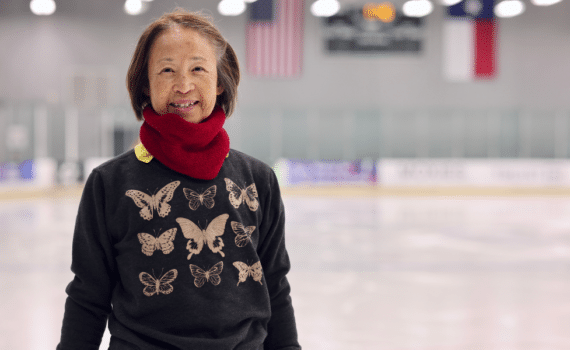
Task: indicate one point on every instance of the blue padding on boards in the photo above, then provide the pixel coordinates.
(26, 169)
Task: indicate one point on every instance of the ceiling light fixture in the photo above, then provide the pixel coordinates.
(449, 2)
(545, 2)
(325, 8)
(417, 8)
(133, 7)
(509, 8)
(42, 7)
(231, 7)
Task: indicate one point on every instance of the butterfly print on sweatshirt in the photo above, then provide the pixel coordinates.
(196, 199)
(245, 271)
(238, 195)
(212, 275)
(158, 285)
(162, 242)
(243, 234)
(159, 201)
(197, 237)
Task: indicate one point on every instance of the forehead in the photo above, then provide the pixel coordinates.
(177, 40)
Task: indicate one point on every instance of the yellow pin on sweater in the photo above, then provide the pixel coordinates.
(142, 154)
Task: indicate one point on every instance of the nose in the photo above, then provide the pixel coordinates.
(184, 84)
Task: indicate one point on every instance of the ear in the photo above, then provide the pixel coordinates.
(219, 89)
(146, 91)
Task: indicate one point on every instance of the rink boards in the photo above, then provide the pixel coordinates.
(368, 178)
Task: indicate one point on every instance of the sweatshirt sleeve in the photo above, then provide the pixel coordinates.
(89, 294)
(282, 330)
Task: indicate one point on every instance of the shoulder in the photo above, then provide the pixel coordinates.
(120, 166)
(245, 159)
(248, 169)
(247, 164)
(117, 161)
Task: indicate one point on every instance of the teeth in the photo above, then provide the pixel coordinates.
(184, 105)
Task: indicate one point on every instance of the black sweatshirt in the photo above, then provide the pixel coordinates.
(175, 262)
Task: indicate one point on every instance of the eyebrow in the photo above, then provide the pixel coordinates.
(195, 58)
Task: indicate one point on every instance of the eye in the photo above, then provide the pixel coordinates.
(198, 69)
(167, 70)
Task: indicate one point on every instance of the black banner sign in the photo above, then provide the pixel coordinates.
(350, 32)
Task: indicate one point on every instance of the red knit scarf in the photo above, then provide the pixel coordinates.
(196, 150)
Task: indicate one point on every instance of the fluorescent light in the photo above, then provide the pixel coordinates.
(325, 8)
(449, 2)
(42, 7)
(231, 7)
(417, 8)
(133, 7)
(509, 8)
(544, 2)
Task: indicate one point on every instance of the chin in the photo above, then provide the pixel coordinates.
(192, 119)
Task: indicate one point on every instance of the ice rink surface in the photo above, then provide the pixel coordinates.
(387, 272)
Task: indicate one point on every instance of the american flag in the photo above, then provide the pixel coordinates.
(274, 38)
(469, 42)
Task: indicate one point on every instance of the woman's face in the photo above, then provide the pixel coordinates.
(182, 74)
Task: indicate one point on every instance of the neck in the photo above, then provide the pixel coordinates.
(196, 150)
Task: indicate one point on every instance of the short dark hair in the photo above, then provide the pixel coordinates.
(226, 59)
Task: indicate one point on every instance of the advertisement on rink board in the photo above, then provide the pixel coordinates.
(292, 172)
(427, 172)
(385, 172)
(461, 172)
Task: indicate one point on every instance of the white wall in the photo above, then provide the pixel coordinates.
(39, 55)
(532, 60)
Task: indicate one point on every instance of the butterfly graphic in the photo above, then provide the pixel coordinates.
(212, 275)
(157, 286)
(238, 196)
(162, 242)
(195, 198)
(197, 237)
(150, 202)
(243, 233)
(254, 271)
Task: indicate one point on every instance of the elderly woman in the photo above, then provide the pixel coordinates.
(179, 243)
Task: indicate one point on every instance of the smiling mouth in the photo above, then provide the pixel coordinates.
(186, 105)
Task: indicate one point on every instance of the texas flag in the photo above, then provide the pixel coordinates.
(469, 41)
